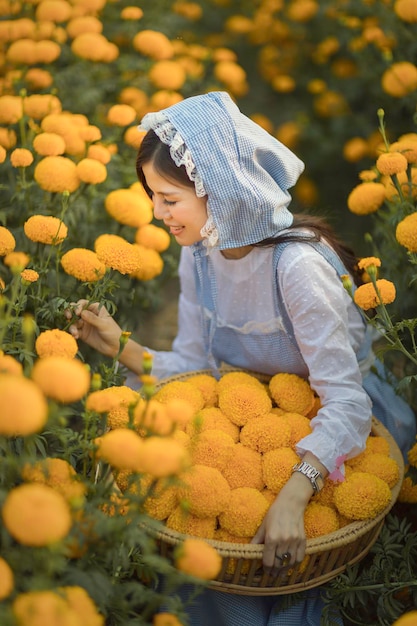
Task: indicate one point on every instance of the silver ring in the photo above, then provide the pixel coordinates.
(285, 558)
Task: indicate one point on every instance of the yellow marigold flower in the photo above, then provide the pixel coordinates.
(21, 157)
(165, 619)
(100, 153)
(408, 491)
(7, 241)
(406, 232)
(89, 133)
(180, 389)
(188, 524)
(369, 261)
(2, 154)
(245, 511)
(330, 104)
(326, 495)
(117, 253)
(198, 558)
(229, 72)
(154, 237)
(84, 24)
(406, 10)
(91, 46)
(300, 427)
(302, 10)
(266, 433)
(11, 109)
(366, 296)
(244, 468)
(20, 51)
(35, 608)
(38, 106)
(53, 11)
(130, 207)
(122, 448)
(407, 147)
(17, 259)
(153, 44)
(57, 174)
(362, 496)
(366, 198)
(212, 417)
(180, 412)
(212, 447)
(58, 474)
(62, 379)
(390, 163)
(47, 51)
(91, 171)
(229, 379)
(36, 515)
(163, 98)
(38, 78)
(355, 149)
(9, 365)
(378, 444)
(380, 465)
(6, 579)
(190, 10)
(283, 83)
(160, 496)
(152, 417)
(277, 467)
(121, 115)
(243, 402)
(167, 74)
(8, 138)
(205, 491)
(133, 137)
(400, 79)
(29, 276)
(131, 13)
(367, 176)
(291, 393)
(83, 264)
(80, 602)
(151, 264)
(24, 410)
(45, 229)
(207, 384)
(104, 400)
(407, 619)
(412, 455)
(56, 342)
(163, 456)
(319, 520)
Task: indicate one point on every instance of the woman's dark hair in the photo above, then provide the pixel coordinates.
(152, 149)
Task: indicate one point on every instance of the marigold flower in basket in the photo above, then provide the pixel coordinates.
(212, 417)
(205, 491)
(244, 468)
(408, 491)
(406, 232)
(62, 379)
(117, 253)
(6, 579)
(412, 455)
(104, 400)
(362, 496)
(180, 389)
(182, 521)
(266, 433)
(366, 198)
(366, 296)
(163, 456)
(83, 264)
(58, 474)
(45, 229)
(129, 207)
(198, 558)
(158, 239)
(36, 515)
(277, 467)
(230, 379)
(319, 520)
(35, 608)
(152, 417)
(24, 410)
(7, 241)
(242, 402)
(122, 448)
(214, 448)
(160, 496)
(180, 412)
(380, 465)
(291, 393)
(56, 342)
(245, 511)
(390, 163)
(57, 174)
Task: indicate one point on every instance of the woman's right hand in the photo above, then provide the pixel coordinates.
(93, 324)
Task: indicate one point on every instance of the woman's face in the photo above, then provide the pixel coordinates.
(182, 212)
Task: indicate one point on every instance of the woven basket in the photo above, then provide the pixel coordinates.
(328, 556)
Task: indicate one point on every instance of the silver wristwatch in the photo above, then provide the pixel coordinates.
(311, 473)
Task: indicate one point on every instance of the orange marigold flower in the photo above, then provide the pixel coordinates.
(407, 147)
(57, 174)
(154, 237)
(244, 468)
(58, 474)
(91, 46)
(180, 412)
(163, 619)
(24, 410)
(91, 171)
(412, 455)
(167, 74)
(291, 393)
(36, 515)
(181, 389)
(56, 342)
(407, 619)
(84, 24)
(151, 264)
(245, 511)
(400, 79)
(121, 115)
(21, 157)
(380, 465)
(212, 417)
(243, 402)
(6, 579)
(104, 400)
(99, 152)
(367, 176)
(17, 260)
(132, 13)
(29, 276)
(406, 11)
(152, 417)
(38, 106)
(207, 384)
(369, 261)
(361, 496)
(38, 78)
(205, 491)
(355, 149)
(188, 524)
(89, 133)
(366, 198)
(62, 379)
(83, 264)
(406, 232)
(130, 207)
(11, 109)
(366, 296)
(163, 456)
(34, 608)
(266, 433)
(117, 253)
(9, 365)
(45, 229)
(198, 558)
(379, 444)
(8, 138)
(122, 448)
(153, 44)
(160, 496)
(408, 491)
(300, 427)
(214, 448)
(277, 467)
(319, 520)
(133, 137)
(47, 51)
(390, 163)
(2, 154)
(83, 606)
(7, 241)
(53, 11)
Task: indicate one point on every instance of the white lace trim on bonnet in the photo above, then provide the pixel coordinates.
(180, 154)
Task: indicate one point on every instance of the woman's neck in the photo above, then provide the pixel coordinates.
(236, 253)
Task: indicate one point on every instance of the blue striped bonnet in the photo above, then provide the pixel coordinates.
(244, 171)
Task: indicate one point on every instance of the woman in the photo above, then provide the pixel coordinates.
(260, 290)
